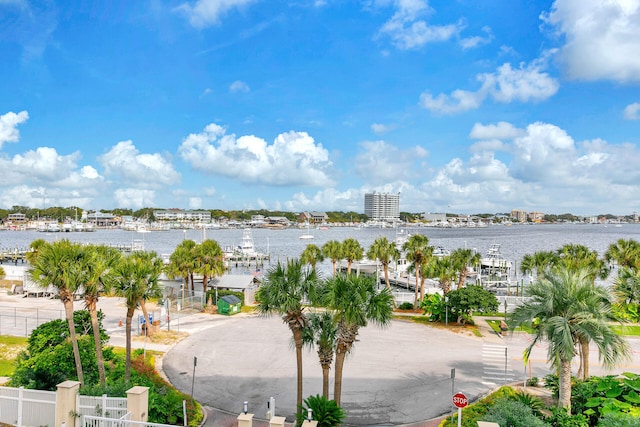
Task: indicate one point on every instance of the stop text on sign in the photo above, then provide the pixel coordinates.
(460, 400)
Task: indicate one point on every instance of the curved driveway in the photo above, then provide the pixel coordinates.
(397, 375)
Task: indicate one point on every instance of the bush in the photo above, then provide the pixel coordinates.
(533, 382)
(560, 418)
(211, 295)
(619, 420)
(405, 306)
(325, 411)
(508, 412)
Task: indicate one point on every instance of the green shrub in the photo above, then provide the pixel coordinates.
(535, 403)
(560, 418)
(512, 413)
(211, 295)
(619, 420)
(405, 306)
(476, 411)
(325, 411)
(533, 382)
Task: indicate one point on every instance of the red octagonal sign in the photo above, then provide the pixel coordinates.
(460, 400)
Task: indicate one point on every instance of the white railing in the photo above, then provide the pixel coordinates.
(92, 421)
(24, 407)
(103, 406)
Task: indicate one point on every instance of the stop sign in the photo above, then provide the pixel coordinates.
(460, 400)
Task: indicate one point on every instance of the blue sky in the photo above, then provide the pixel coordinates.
(462, 106)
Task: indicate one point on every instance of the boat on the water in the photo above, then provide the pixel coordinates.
(246, 251)
(307, 235)
(493, 259)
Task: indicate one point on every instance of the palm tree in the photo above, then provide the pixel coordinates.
(333, 251)
(62, 265)
(321, 331)
(351, 251)
(135, 278)
(312, 255)
(99, 261)
(626, 287)
(445, 269)
(626, 253)
(538, 261)
(355, 302)
(564, 309)
(417, 249)
(284, 291)
(462, 259)
(385, 252)
(209, 261)
(34, 249)
(182, 262)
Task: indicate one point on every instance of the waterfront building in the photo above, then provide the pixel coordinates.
(182, 215)
(383, 206)
(536, 216)
(313, 217)
(518, 215)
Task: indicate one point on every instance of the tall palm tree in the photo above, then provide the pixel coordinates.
(209, 261)
(321, 331)
(135, 278)
(284, 291)
(182, 262)
(463, 259)
(34, 249)
(626, 287)
(385, 252)
(564, 308)
(417, 249)
(444, 269)
(312, 255)
(99, 261)
(355, 302)
(333, 251)
(626, 253)
(62, 265)
(538, 261)
(351, 251)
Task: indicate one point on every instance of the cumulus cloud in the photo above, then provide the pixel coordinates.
(293, 158)
(124, 162)
(134, 198)
(239, 86)
(203, 13)
(408, 30)
(45, 164)
(9, 126)
(379, 162)
(500, 130)
(381, 128)
(527, 82)
(632, 111)
(476, 41)
(602, 38)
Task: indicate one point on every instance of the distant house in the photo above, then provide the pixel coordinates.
(245, 283)
(101, 219)
(313, 217)
(17, 218)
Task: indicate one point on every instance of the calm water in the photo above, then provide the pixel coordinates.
(516, 241)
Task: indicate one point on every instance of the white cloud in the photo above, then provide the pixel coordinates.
(9, 126)
(134, 198)
(124, 162)
(526, 83)
(381, 128)
(44, 164)
(602, 38)
(203, 13)
(195, 203)
(500, 130)
(476, 41)
(239, 86)
(293, 159)
(408, 31)
(379, 162)
(632, 111)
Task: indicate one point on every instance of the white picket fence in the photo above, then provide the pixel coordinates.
(23, 407)
(125, 421)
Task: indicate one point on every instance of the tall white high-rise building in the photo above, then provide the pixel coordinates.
(382, 206)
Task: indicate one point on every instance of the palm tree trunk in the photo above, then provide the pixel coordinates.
(127, 366)
(297, 338)
(204, 285)
(325, 380)
(463, 277)
(334, 262)
(386, 280)
(564, 399)
(98, 342)
(415, 301)
(349, 266)
(584, 347)
(68, 309)
(149, 326)
(421, 288)
(341, 353)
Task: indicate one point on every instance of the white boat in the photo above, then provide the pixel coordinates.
(246, 251)
(308, 235)
(53, 227)
(440, 251)
(494, 260)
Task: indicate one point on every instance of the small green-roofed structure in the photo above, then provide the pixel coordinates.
(229, 305)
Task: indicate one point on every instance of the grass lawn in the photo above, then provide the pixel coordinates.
(9, 349)
(627, 330)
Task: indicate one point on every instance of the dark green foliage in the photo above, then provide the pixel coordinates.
(560, 418)
(477, 411)
(619, 420)
(406, 306)
(434, 306)
(465, 301)
(511, 413)
(211, 295)
(534, 403)
(533, 382)
(325, 411)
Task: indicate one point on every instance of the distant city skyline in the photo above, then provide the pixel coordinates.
(310, 105)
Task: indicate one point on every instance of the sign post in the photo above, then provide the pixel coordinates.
(460, 401)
